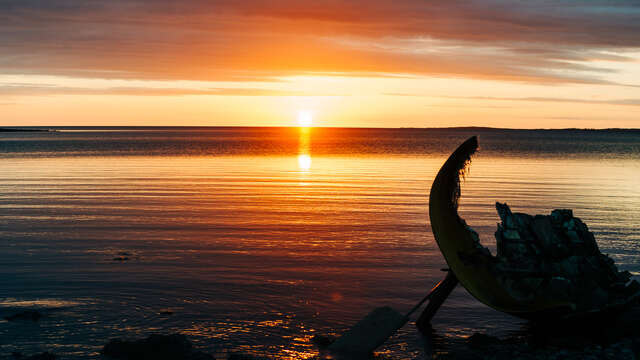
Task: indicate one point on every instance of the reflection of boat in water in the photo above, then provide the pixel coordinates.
(545, 265)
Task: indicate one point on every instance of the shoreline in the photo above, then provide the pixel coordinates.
(576, 342)
(25, 130)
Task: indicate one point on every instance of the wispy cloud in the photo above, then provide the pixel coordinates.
(46, 90)
(631, 102)
(533, 41)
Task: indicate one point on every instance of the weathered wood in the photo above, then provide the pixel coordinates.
(439, 294)
(381, 323)
(370, 332)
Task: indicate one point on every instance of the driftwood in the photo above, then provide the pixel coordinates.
(439, 294)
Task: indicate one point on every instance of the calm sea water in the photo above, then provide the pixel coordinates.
(255, 239)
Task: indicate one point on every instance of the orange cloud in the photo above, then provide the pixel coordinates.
(257, 39)
(29, 89)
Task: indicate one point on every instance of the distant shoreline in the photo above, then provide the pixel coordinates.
(25, 130)
(459, 128)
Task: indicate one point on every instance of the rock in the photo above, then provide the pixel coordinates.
(510, 234)
(543, 233)
(599, 297)
(559, 216)
(26, 315)
(43, 356)
(479, 340)
(624, 276)
(559, 287)
(241, 356)
(156, 347)
(560, 251)
(569, 267)
(323, 340)
(573, 236)
(632, 288)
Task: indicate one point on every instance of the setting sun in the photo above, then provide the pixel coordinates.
(305, 119)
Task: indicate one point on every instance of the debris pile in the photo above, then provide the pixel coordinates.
(558, 255)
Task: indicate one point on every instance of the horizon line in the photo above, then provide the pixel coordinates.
(46, 127)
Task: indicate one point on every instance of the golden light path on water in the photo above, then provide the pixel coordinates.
(304, 149)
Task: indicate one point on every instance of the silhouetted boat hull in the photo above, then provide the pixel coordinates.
(476, 268)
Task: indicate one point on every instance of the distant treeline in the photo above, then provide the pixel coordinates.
(22, 130)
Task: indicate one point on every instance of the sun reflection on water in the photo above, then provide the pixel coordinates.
(304, 149)
(304, 162)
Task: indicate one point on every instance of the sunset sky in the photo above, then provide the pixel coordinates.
(516, 64)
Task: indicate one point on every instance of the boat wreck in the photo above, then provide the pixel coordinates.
(546, 266)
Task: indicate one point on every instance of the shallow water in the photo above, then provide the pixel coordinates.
(255, 239)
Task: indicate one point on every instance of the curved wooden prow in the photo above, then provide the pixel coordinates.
(473, 264)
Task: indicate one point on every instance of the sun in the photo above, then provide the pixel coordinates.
(305, 118)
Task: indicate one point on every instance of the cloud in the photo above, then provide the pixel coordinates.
(48, 90)
(630, 102)
(534, 41)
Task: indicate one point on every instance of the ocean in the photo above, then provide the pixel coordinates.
(253, 240)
